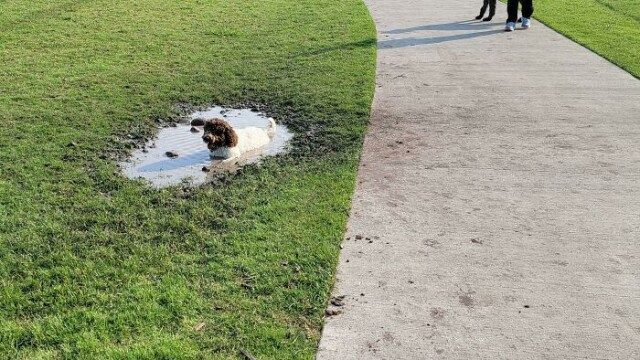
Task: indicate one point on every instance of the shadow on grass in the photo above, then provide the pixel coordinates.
(340, 47)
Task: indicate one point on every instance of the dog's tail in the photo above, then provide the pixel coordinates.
(271, 130)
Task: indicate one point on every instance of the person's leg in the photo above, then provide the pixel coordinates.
(483, 9)
(492, 10)
(527, 8)
(512, 11)
(527, 11)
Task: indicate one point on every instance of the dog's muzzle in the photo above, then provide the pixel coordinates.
(208, 138)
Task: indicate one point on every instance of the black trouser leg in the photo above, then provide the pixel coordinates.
(483, 9)
(492, 8)
(512, 10)
(527, 8)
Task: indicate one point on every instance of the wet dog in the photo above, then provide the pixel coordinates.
(228, 143)
(491, 4)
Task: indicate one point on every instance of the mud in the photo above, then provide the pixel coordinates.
(179, 156)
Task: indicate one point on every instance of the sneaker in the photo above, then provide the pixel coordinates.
(526, 23)
(510, 26)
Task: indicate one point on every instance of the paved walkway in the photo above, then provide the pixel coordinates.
(500, 190)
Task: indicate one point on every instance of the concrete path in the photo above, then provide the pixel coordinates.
(500, 192)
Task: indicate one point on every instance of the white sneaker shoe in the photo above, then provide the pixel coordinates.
(526, 23)
(510, 26)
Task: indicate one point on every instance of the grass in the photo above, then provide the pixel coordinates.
(95, 266)
(611, 28)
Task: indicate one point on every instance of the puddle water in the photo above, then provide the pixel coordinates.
(153, 164)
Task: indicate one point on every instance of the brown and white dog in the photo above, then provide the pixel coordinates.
(228, 143)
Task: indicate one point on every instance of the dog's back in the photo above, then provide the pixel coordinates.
(252, 138)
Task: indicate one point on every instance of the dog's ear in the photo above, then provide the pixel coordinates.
(230, 136)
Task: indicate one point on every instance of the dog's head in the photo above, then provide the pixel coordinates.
(218, 133)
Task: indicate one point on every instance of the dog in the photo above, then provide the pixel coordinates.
(491, 4)
(228, 143)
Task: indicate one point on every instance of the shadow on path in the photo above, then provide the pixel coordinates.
(458, 25)
(399, 43)
(479, 28)
(489, 29)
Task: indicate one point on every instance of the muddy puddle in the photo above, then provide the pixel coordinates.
(179, 156)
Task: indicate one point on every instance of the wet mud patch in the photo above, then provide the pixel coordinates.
(178, 156)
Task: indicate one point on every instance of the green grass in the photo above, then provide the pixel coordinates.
(611, 28)
(95, 266)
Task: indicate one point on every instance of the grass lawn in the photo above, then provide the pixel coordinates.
(95, 266)
(611, 28)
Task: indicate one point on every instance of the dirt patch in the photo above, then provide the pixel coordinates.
(179, 156)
